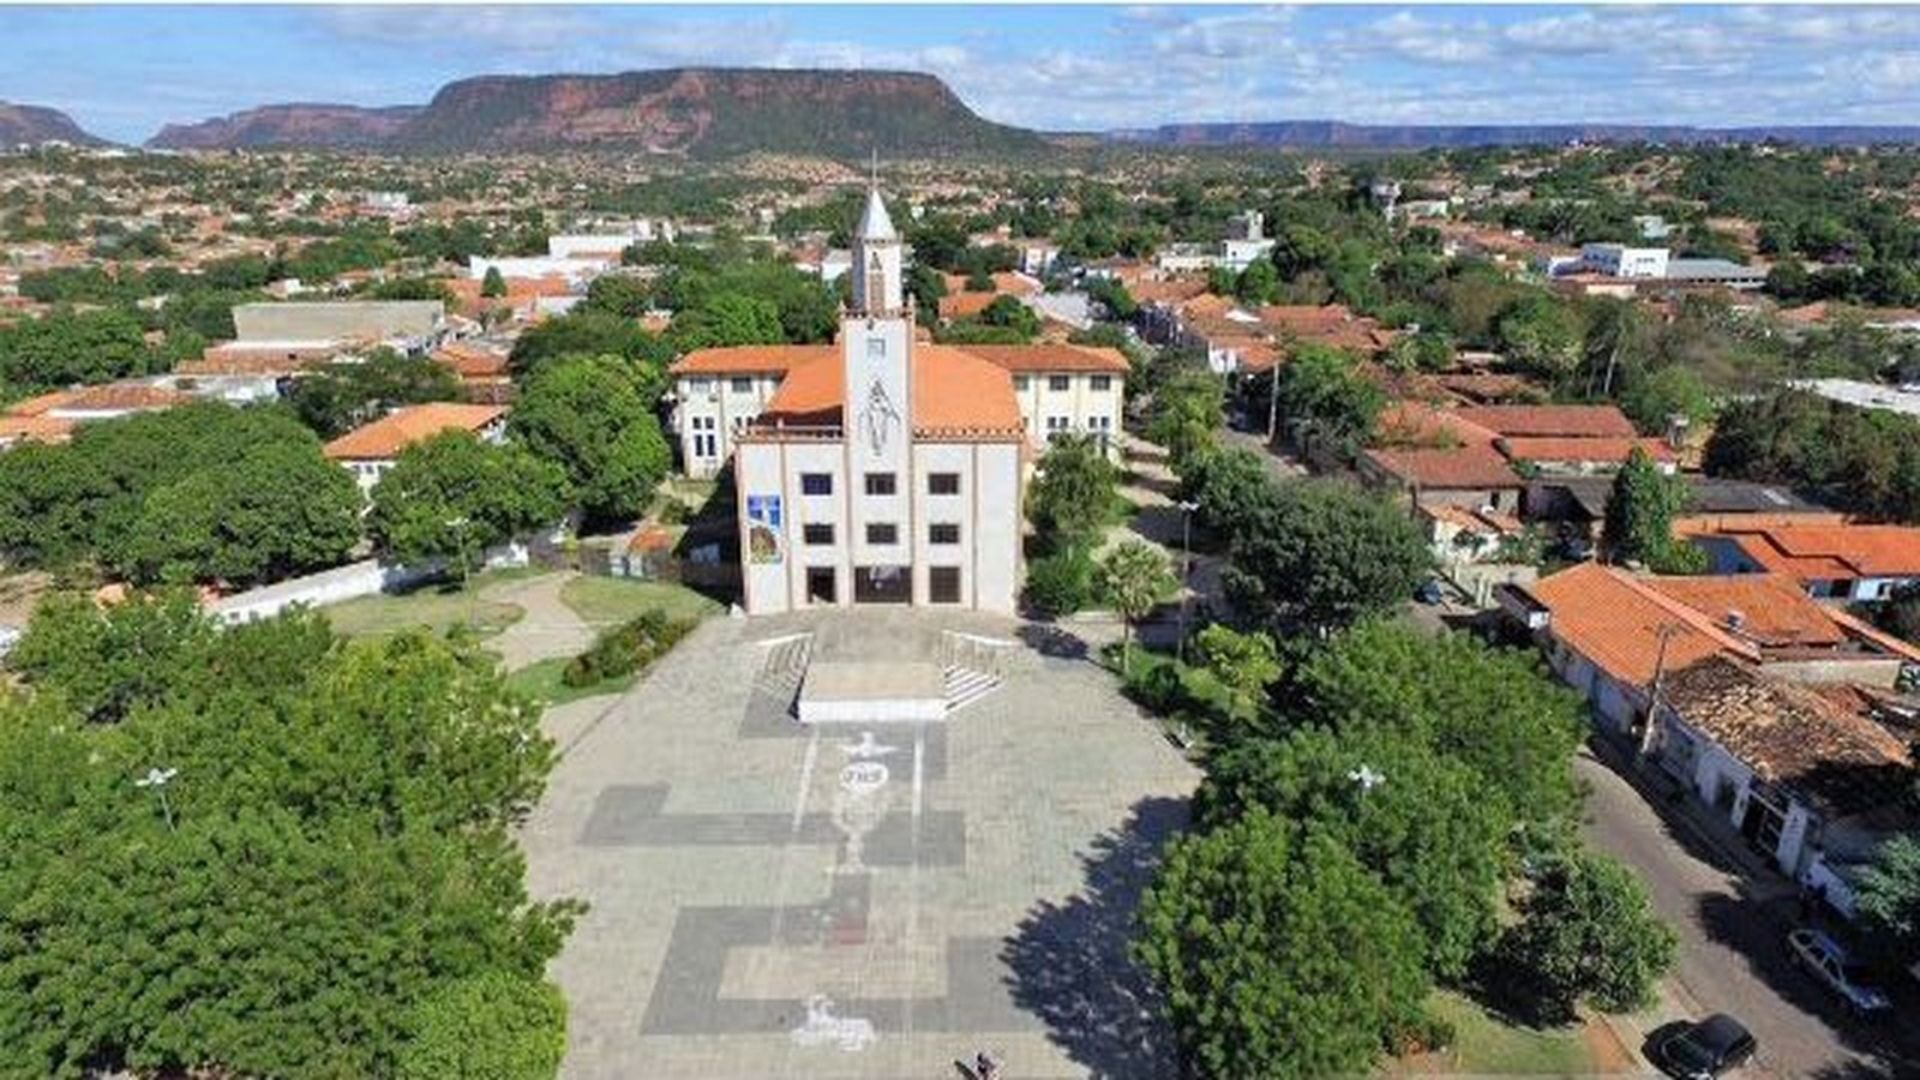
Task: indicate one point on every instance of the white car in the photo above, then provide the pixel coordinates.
(1824, 959)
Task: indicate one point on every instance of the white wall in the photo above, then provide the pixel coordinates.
(1085, 409)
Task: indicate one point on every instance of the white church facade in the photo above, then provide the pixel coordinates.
(886, 470)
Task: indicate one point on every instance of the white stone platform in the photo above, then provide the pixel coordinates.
(874, 691)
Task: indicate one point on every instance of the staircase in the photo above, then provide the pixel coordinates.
(784, 667)
(971, 667)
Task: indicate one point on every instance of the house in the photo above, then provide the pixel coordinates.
(370, 450)
(887, 471)
(1609, 634)
(1468, 477)
(1837, 562)
(483, 370)
(1578, 504)
(52, 418)
(1794, 770)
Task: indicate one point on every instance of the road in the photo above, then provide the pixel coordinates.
(1732, 957)
(1283, 465)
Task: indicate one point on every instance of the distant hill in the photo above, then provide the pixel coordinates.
(697, 112)
(305, 126)
(1334, 134)
(34, 124)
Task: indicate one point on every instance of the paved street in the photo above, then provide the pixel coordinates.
(849, 900)
(1732, 956)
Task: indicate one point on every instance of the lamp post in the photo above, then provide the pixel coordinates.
(157, 779)
(1367, 777)
(1187, 507)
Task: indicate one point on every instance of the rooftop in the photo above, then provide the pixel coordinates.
(955, 395)
(386, 437)
(1829, 552)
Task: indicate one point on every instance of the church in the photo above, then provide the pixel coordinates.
(884, 469)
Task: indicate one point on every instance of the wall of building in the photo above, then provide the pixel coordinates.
(1084, 409)
(731, 402)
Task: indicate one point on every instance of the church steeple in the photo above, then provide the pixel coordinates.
(876, 261)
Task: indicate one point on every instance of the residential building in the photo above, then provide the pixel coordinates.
(888, 471)
(370, 450)
(1620, 261)
(1579, 504)
(52, 417)
(1836, 562)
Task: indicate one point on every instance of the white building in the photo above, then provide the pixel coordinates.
(887, 473)
(1620, 261)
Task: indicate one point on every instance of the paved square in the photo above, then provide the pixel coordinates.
(856, 900)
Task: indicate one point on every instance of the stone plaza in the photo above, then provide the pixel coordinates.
(864, 899)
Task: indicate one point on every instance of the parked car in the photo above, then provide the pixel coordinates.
(1703, 1051)
(1831, 965)
(1429, 592)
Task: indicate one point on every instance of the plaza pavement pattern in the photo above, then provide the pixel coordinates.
(857, 900)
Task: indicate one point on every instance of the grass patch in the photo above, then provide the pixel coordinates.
(542, 682)
(1483, 1045)
(436, 606)
(607, 601)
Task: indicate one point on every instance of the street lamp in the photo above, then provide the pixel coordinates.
(1187, 507)
(157, 779)
(1367, 778)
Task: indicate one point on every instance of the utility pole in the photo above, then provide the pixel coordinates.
(1667, 630)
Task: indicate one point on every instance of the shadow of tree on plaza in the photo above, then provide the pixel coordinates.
(1069, 961)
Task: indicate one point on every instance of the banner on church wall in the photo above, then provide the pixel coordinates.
(764, 527)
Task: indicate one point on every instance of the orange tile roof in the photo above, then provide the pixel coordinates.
(121, 397)
(1451, 468)
(1615, 621)
(962, 305)
(231, 360)
(1774, 610)
(1584, 421)
(1051, 357)
(470, 362)
(1608, 449)
(1825, 552)
(747, 359)
(1415, 423)
(955, 394)
(386, 437)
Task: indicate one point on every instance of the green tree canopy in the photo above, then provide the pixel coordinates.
(1889, 895)
(452, 497)
(493, 284)
(296, 763)
(1187, 413)
(1133, 578)
(1249, 930)
(1640, 515)
(591, 416)
(1245, 663)
(490, 1026)
(1543, 334)
(1586, 933)
(1071, 498)
(1326, 388)
(727, 319)
(590, 333)
(1322, 554)
(343, 396)
(65, 347)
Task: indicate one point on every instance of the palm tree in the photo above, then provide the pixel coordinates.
(1133, 578)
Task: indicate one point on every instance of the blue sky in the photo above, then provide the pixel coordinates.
(124, 71)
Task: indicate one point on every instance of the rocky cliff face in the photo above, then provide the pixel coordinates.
(35, 124)
(323, 127)
(1333, 134)
(699, 112)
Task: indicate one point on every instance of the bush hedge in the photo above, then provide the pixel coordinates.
(627, 648)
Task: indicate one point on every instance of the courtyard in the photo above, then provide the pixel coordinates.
(857, 900)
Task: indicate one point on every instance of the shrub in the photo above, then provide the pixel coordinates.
(1061, 583)
(626, 649)
(493, 1026)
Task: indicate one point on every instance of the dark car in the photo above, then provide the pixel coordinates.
(1429, 592)
(1707, 1049)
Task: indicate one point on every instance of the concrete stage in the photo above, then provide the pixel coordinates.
(872, 691)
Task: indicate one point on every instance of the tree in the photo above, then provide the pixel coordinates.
(589, 333)
(1246, 664)
(452, 497)
(491, 1026)
(107, 661)
(1900, 614)
(1414, 816)
(343, 396)
(1133, 578)
(1249, 931)
(66, 347)
(1222, 482)
(1653, 400)
(1889, 895)
(1640, 513)
(1072, 497)
(1587, 933)
(1187, 412)
(1326, 388)
(1542, 334)
(1322, 554)
(279, 511)
(492, 285)
(336, 827)
(619, 294)
(727, 319)
(1493, 710)
(1258, 284)
(590, 416)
